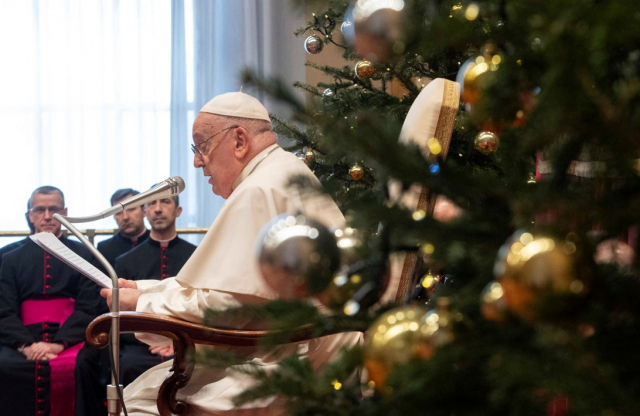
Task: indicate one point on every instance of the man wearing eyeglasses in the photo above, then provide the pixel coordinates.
(236, 149)
(45, 307)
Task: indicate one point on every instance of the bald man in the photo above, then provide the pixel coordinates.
(236, 149)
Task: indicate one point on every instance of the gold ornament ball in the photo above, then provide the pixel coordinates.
(309, 156)
(472, 75)
(492, 304)
(531, 267)
(313, 44)
(356, 172)
(486, 142)
(297, 256)
(364, 70)
(403, 334)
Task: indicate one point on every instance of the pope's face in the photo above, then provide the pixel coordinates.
(214, 152)
(43, 206)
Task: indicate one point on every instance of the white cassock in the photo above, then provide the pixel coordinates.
(223, 272)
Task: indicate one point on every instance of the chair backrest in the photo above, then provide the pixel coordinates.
(432, 114)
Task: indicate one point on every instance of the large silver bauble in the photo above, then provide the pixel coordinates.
(297, 256)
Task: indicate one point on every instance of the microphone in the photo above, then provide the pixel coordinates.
(165, 189)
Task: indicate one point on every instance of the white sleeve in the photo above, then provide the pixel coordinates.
(153, 285)
(189, 304)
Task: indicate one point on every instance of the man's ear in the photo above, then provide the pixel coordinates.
(242, 143)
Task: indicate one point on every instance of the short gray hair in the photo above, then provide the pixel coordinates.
(46, 190)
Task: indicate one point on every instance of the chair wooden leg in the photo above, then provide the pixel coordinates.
(181, 372)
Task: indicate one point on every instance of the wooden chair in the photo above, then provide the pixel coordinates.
(432, 115)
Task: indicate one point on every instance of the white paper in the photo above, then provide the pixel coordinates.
(51, 244)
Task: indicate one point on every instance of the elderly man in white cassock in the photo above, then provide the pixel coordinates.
(234, 145)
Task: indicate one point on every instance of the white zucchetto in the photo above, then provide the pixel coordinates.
(236, 104)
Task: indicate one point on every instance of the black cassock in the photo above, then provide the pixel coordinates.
(118, 245)
(94, 375)
(28, 273)
(147, 261)
(10, 247)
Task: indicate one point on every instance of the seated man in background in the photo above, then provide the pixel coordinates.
(94, 376)
(132, 230)
(160, 256)
(45, 307)
(236, 148)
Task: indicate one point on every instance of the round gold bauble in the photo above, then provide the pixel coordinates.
(364, 70)
(486, 142)
(356, 172)
(313, 44)
(297, 256)
(309, 156)
(403, 334)
(473, 73)
(532, 267)
(393, 339)
(492, 304)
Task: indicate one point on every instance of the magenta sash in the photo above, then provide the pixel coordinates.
(62, 388)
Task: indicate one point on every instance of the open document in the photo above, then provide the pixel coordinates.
(51, 244)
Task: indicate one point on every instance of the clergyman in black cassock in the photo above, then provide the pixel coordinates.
(149, 260)
(94, 376)
(34, 288)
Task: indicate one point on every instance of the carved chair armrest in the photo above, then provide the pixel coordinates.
(173, 328)
(184, 335)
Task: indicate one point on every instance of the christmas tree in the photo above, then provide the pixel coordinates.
(525, 299)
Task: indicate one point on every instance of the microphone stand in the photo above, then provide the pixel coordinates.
(114, 390)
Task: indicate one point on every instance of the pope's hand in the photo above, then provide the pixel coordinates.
(129, 284)
(128, 297)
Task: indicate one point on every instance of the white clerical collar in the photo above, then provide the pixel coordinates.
(253, 164)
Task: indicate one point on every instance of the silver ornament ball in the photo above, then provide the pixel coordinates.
(313, 44)
(297, 256)
(328, 94)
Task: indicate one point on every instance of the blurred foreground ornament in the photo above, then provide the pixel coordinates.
(309, 156)
(357, 275)
(530, 268)
(403, 334)
(378, 28)
(364, 70)
(486, 142)
(356, 172)
(347, 30)
(615, 252)
(313, 44)
(472, 75)
(445, 210)
(297, 256)
(424, 289)
(492, 304)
